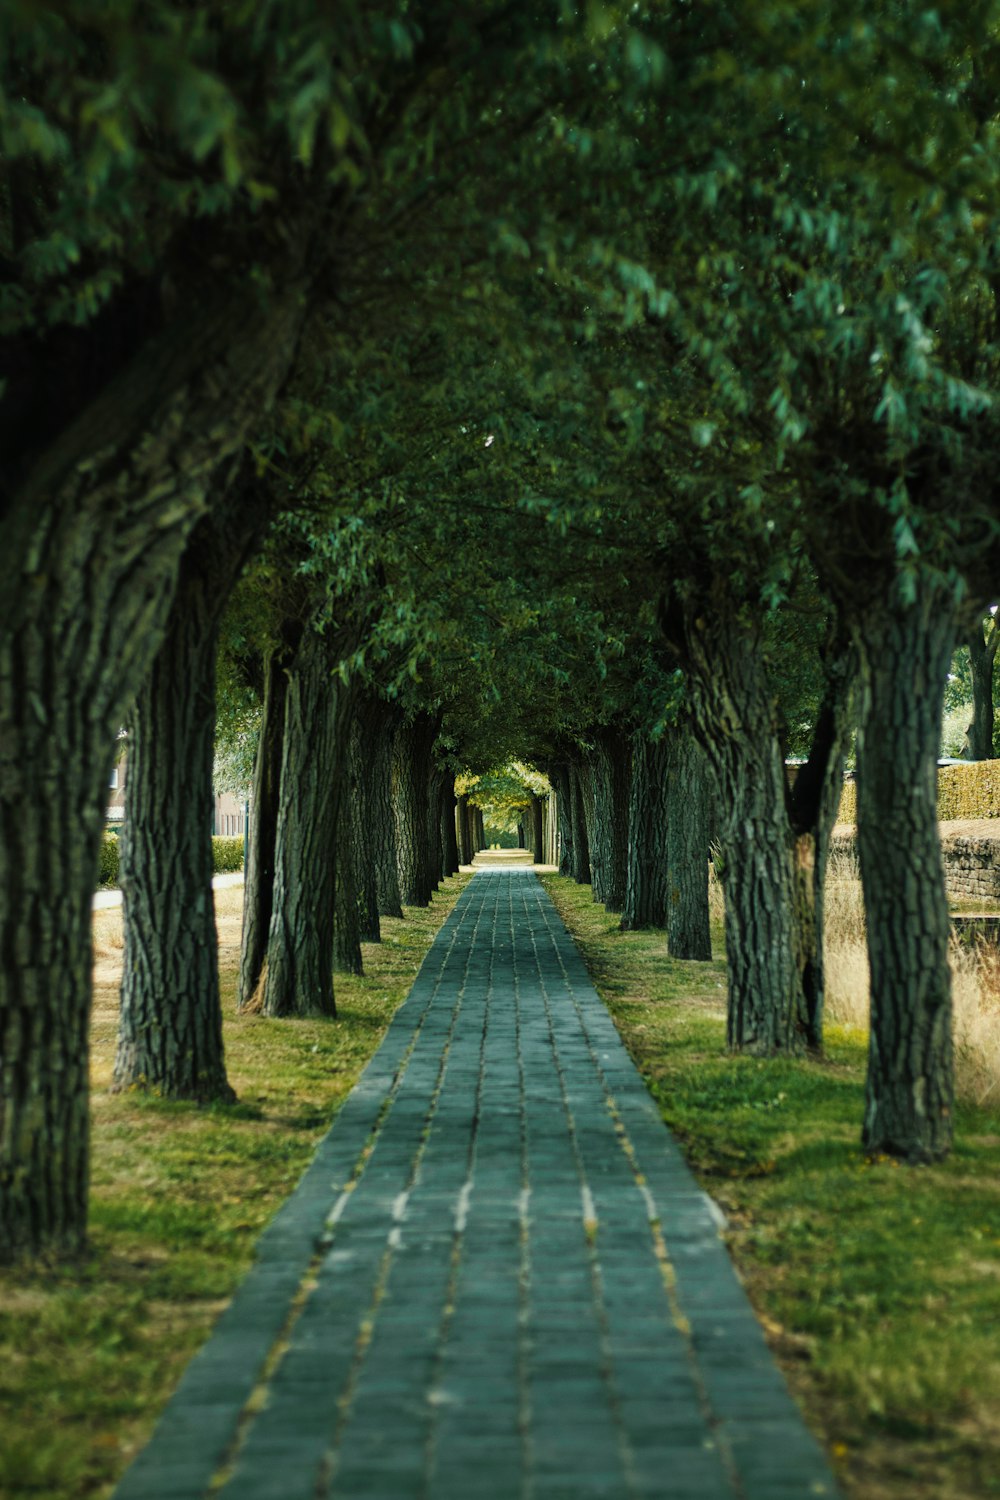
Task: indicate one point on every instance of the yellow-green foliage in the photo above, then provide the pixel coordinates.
(967, 791)
(970, 791)
(848, 803)
(227, 854)
(108, 869)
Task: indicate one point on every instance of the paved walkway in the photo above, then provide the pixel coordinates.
(497, 1281)
(105, 899)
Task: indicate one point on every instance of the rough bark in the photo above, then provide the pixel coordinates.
(380, 727)
(411, 777)
(435, 826)
(362, 822)
(646, 870)
(772, 859)
(561, 778)
(93, 540)
(466, 831)
(982, 656)
(449, 833)
(347, 957)
(258, 879)
(298, 978)
(537, 831)
(688, 934)
(578, 813)
(170, 1022)
(609, 762)
(909, 1093)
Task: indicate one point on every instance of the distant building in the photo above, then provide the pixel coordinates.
(227, 812)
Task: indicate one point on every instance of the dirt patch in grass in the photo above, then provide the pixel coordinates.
(90, 1351)
(878, 1285)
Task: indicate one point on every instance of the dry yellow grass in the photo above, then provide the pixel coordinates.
(975, 986)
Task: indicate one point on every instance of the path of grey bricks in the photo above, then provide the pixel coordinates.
(497, 1280)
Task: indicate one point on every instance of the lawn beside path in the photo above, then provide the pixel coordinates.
(90, 1352)
(878, 1285)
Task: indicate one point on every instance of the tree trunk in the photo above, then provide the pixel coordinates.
(362, 822)
(480, 827)
(537, 831)
(299, 969)
(771, 877)
(580, 840)
(435, 830)
(609, 846)
(982, 655)
(909, 1094)
(265, 800)
(380, 731)
(646, 872)
(347, 957)
(465, 830)
(93, 541)
(561, 778)
(411, 776)
(686, 772)
(170, 1022)
(449, 835)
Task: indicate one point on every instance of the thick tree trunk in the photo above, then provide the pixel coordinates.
(480, 828)
(598, 822)
(909, 1096)
(379, 730)
(347, 958)
(772, 883)
(609, 762)
(688, 933)
(560, 776)
(449, 835)
(93, 540)
(298, 980)
(170, 1023)
(465, 830)
(435, 826)
(646, 871)
(362, 793)
(411, 777)
(537, 831)
(765, 992)
(265, 800)
(982, 655)
(581, 836)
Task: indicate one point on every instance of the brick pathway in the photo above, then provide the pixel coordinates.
(498, 1279)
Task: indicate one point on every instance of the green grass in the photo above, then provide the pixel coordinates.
(90, 1351)
(878, 1284)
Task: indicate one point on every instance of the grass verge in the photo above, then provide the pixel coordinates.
(878, 1285)
(90, 1351)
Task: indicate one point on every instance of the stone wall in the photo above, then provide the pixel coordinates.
(970, 850)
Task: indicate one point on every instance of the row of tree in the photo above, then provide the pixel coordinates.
(613, 371)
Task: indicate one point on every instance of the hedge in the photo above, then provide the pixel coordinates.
(971, 791)
(968, 791)
(227, 856)
(108, 874)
